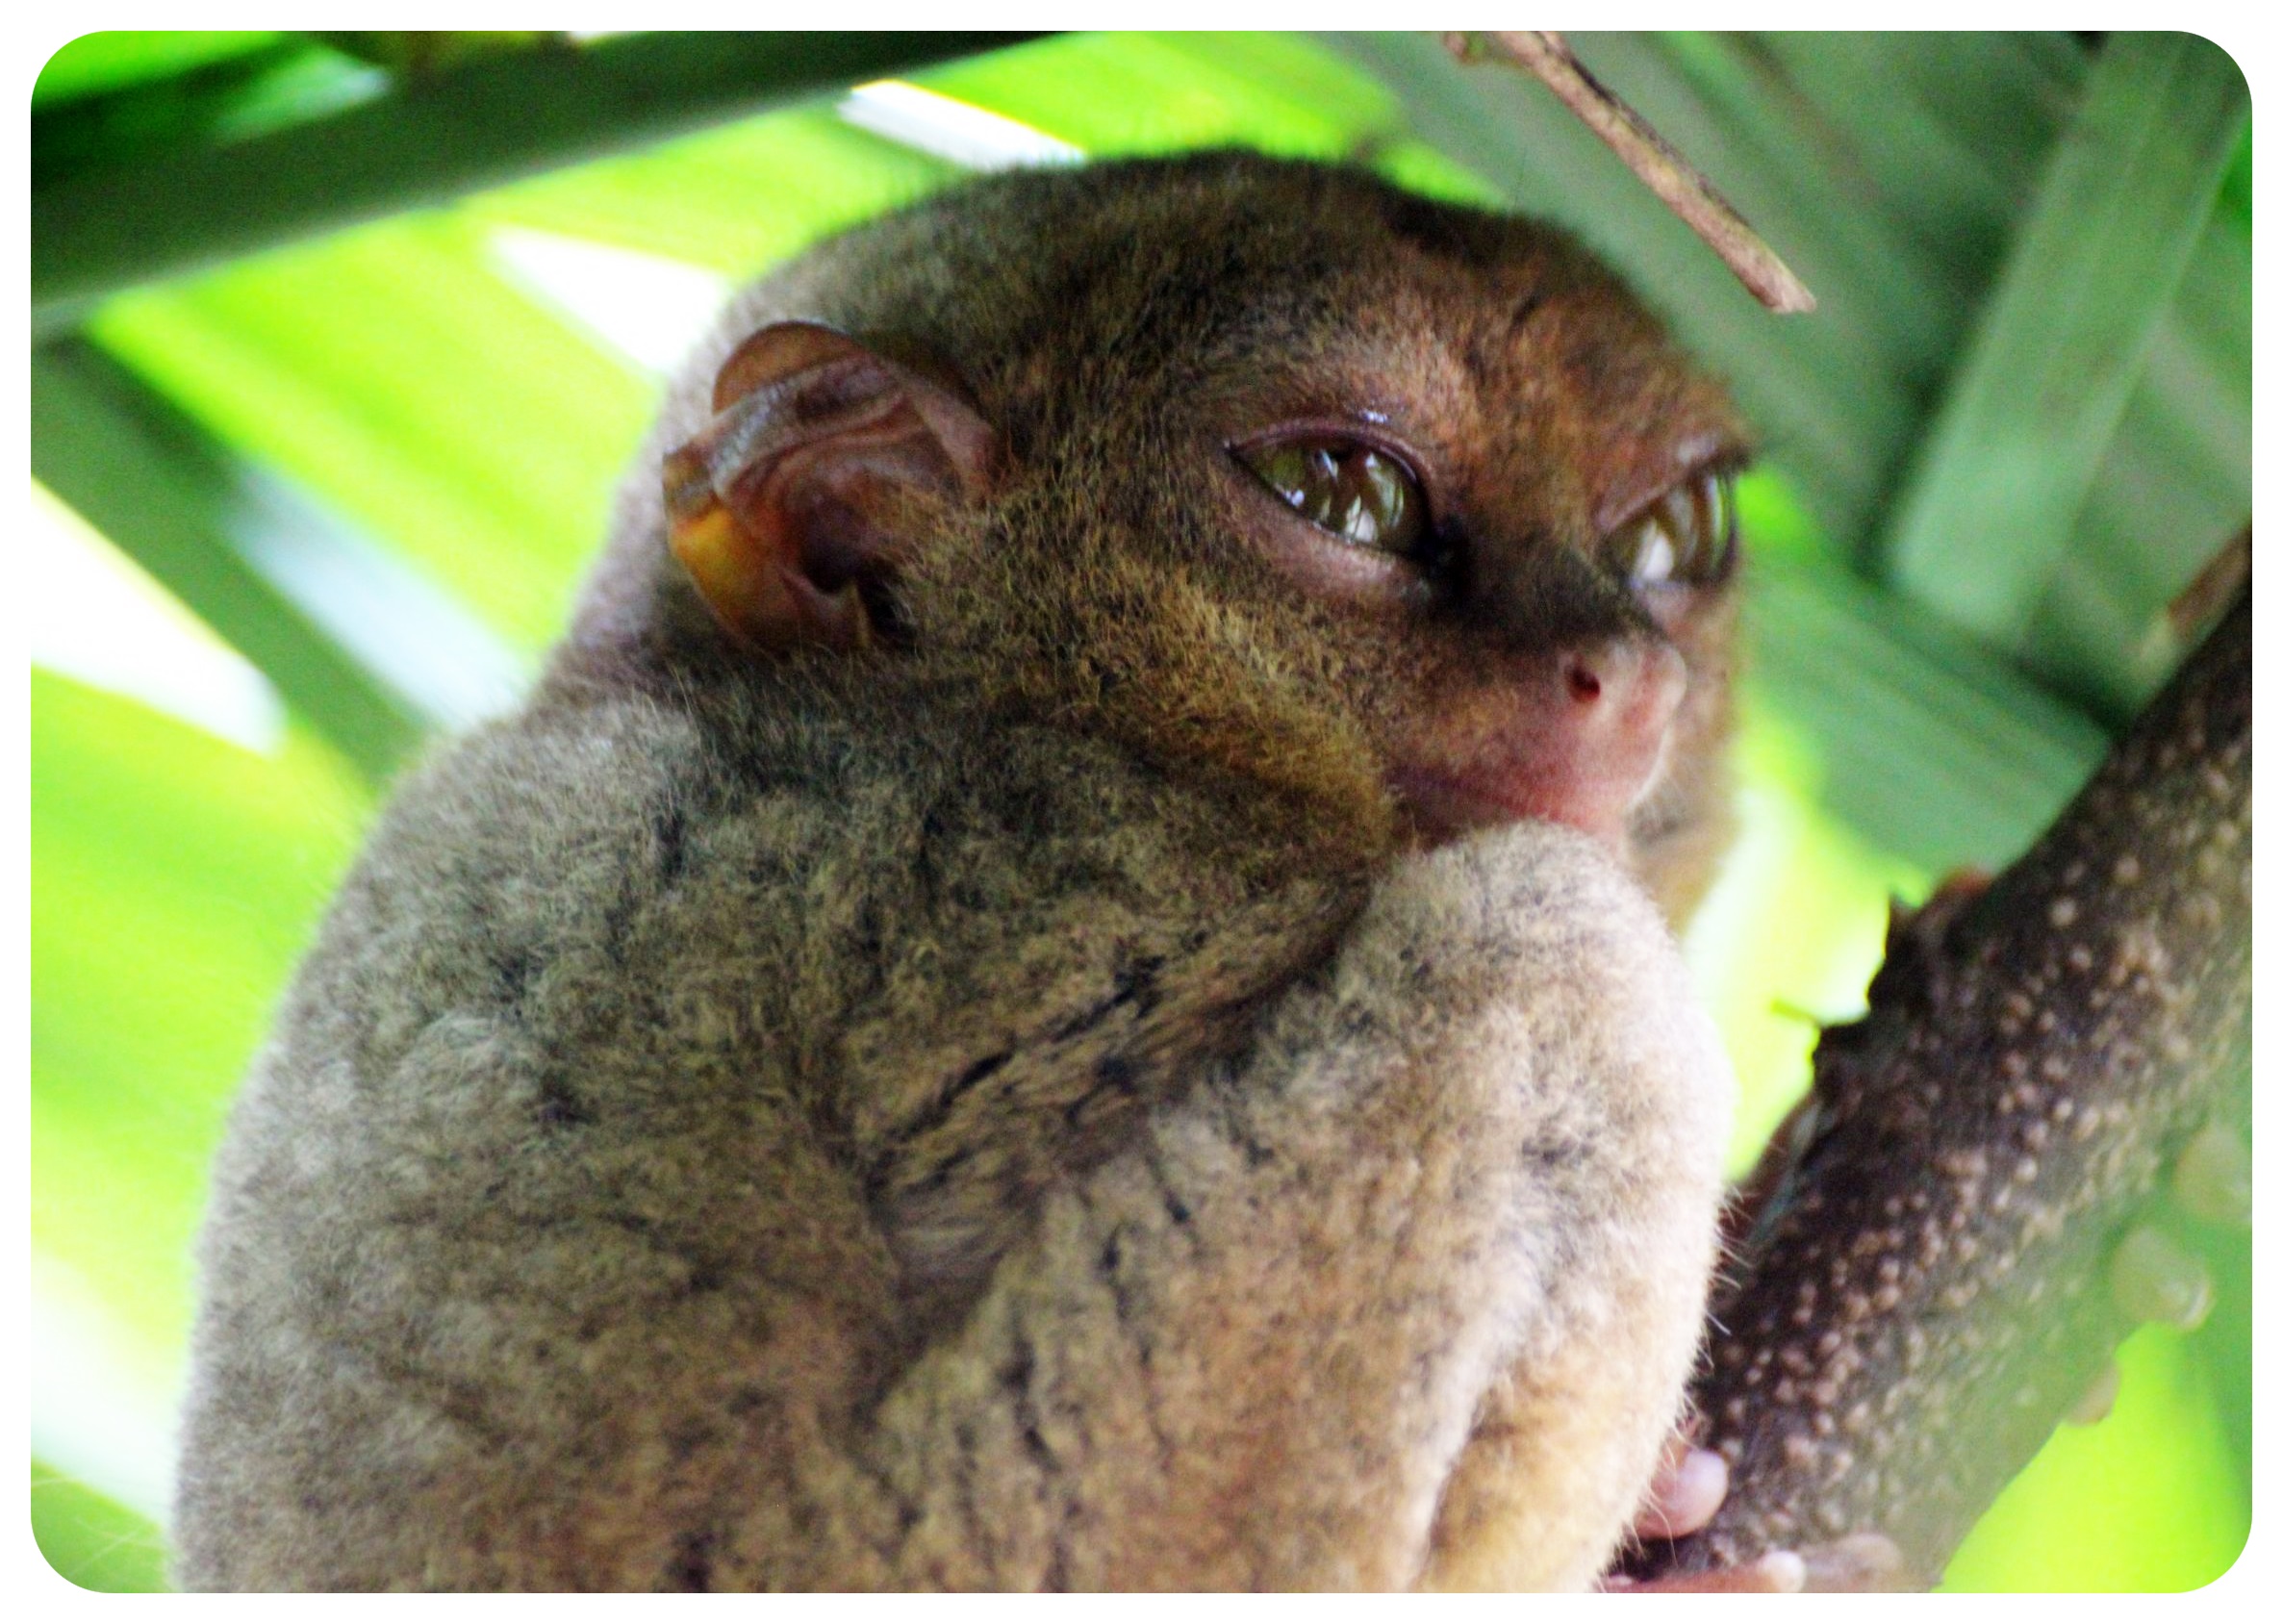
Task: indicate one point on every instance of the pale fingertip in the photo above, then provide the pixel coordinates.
(1786, 1572)
(1692, 1489)
(2212, 1181)
(1856, 1563)
(2154, 1278)
(2098, 1398)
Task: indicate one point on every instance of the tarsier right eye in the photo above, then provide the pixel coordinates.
(1686, 538)
(1361, 494)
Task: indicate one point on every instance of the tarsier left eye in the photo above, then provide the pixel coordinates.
(1686, 538)
(1363, 495)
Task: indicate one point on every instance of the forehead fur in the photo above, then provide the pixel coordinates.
(1108, 279)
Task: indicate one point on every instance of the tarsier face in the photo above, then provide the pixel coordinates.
(1399, 509)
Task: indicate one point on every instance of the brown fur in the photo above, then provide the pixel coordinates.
(1024, 1108)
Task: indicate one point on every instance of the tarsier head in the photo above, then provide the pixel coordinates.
(1407, 512)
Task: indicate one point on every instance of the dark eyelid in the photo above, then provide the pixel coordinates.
(1713, 456)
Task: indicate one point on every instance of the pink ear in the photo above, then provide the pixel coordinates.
(799, 489)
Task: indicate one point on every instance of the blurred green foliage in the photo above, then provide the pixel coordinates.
(116, 59)
(92, 1539)
(459, 420)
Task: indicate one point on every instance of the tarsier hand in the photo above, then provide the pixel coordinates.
(1688, 1487)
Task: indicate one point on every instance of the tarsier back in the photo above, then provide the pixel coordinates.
(1066, 982)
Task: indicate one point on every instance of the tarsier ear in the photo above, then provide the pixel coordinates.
(788, 509)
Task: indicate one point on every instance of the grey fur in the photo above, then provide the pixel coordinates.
(835, 1123)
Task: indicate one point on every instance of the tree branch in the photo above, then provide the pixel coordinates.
(1973, 1221)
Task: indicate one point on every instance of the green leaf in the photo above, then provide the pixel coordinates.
(174, 879)
(482, 124)
(735, 200)
(346, 366)
(1114, 94)
(187, 511)
(274, 81)
(92, 1539)
(114, 58)
(2005, 468)
(1930, 749)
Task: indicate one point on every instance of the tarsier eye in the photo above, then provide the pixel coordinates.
(1364, 496)
(1684, 538)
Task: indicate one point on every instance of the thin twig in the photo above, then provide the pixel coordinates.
(1547, 58)
(2175, 629)
(2199, 602)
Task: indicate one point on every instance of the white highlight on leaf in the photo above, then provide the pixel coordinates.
(99, 1413)
(96, 616)
(649, 309)
(381, 609)
(953, 130)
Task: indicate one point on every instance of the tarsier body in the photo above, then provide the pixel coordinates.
(1059, 986)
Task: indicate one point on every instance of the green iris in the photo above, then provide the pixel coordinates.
(1363, 497)
(1686, 538)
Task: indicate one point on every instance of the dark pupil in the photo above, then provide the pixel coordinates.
(1350, 491)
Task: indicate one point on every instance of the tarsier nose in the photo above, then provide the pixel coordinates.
(1625, 691)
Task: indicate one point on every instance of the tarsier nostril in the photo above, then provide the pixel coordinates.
(1640, 682)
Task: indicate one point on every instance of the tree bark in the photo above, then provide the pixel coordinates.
(1938, 1279)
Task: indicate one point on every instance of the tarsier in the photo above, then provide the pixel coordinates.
(1067, 981)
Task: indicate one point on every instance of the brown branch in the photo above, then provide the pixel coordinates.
(1972, 1225)
(1548, 58)
(2200, 601)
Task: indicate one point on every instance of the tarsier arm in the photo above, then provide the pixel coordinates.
(1251, 1349)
